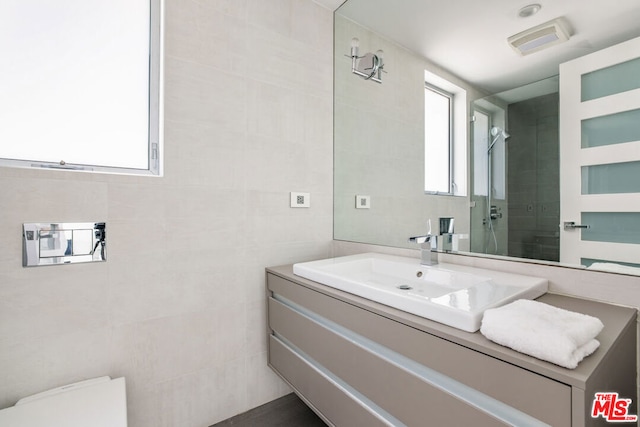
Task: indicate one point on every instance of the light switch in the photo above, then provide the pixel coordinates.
(300, 200)
(363, 202)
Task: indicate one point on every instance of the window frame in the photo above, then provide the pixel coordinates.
(155, 125)
(483, 150)
(460, 138)
(450, 140)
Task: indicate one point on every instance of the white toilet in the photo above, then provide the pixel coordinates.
(99, 402)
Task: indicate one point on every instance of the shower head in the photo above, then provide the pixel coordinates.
(498, 131)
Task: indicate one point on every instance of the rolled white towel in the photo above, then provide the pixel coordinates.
(540, 330)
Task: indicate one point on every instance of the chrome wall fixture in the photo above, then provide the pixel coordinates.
(63, 243)
(370, 66)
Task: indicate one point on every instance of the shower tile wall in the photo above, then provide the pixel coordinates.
(534, 191)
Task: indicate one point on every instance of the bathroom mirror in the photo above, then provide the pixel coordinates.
(379, 129)
(81, 86)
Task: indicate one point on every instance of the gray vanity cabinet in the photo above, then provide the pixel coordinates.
(360, 363)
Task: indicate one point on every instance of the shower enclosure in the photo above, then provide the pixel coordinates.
(516, 195)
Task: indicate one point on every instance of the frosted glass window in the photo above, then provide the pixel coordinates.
(611, 129)
(438, 110)
(611, 178)
(615, 227)
(611, 80)
(80, 85)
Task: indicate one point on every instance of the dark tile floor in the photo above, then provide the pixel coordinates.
(288, 411)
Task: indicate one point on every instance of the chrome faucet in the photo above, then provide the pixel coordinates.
(428, 247)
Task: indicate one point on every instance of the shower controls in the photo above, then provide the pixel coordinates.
(63, 243)
(495, 213)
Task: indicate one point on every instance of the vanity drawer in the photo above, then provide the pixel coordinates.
(396, 391)
(338, 406)
(530, 393)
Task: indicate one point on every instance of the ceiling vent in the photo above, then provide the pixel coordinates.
(540, 37)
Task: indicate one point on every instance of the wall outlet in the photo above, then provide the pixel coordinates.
(363, 202)
(300, 200)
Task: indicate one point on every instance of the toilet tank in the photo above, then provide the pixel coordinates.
(99, 402)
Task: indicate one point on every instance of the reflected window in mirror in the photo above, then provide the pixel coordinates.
(480, 150)
(437, 140)
(82, 85)
(445, 137)
(489, 154)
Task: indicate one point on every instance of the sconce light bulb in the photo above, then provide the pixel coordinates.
(354, 47)
(380, 55)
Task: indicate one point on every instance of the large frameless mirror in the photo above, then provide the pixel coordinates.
(508, 203)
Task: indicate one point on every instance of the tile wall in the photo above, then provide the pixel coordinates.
(178, 308)
(534, 192)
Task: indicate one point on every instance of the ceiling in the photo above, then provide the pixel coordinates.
(469, 37)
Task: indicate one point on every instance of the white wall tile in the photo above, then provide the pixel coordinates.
(272, 15)
(268, 385)
(32, 365)
(202, 398)
(179, 306)
(60, 303)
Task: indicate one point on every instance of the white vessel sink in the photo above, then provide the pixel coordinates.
(447, 293)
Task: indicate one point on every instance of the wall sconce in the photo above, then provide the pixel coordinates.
(370, 66)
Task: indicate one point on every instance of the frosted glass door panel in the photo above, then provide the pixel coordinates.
(600, 152)
(612, 178)
(611, 80)
(611, 129)
(617, 227)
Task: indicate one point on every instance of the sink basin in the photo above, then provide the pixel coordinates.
(447, 293)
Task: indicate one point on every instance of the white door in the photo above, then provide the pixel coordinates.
(600, 157)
